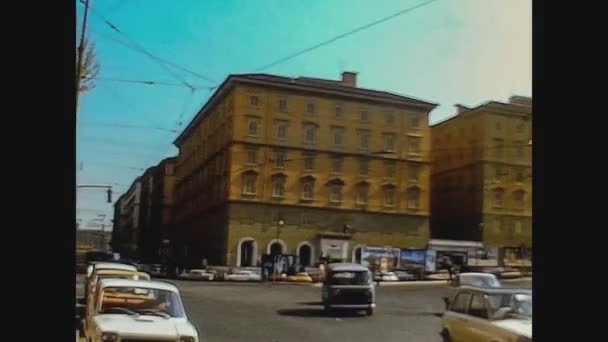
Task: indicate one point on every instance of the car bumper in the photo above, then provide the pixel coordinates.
(352, 306)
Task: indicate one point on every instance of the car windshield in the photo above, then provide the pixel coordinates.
(145, 301)
(349, 278)
(519, 304)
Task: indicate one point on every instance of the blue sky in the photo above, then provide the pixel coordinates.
(451, 51)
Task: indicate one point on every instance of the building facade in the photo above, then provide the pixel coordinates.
(142, 216)
(482, 175)
(307, 167)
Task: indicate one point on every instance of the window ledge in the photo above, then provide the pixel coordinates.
(248, 195)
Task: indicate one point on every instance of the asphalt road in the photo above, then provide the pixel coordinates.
(282, 313)
(231, 312)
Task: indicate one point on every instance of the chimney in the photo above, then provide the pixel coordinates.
(349, 78)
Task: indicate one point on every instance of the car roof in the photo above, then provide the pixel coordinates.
(114, 266)
(114, 271)
(346, 266)
(495, 290)
(147, 284)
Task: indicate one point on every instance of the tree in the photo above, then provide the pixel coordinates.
(90, 67)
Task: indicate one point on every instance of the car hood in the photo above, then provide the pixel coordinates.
(144, 325)
(518, 326)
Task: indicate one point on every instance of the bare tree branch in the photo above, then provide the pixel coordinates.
(90, 66)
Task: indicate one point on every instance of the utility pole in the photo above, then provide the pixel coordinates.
(80, 52)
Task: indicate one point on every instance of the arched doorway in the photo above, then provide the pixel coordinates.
(276, 248)
(246, 252)
(304, 255)
(356, 253)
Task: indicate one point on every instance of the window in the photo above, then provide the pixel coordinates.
(310, 134)
(337, 164)
(282, 130)
(310, 108)
(413, 198)
(280, 158)
(253, 127)
(413, 174)
(478, 306)
(461, 302)
(249, 184)
(361, 195)
(389, 118)
(252, 156)
(363, 167)
(498, 148)
(339, 112)
(309, 163)
(390, 168)
(414, 145)
(498, 226)
(415, 121)
(389, 197)
(283, 104)
(364, 115)
(389, 142)
(519, 150)
(364, 140)
(519, 176)
(278, 187)
(518, 199)
(335, 193)
(308, 187)
(338, 134)
(253, 100)
(517, 225)
(499, 197)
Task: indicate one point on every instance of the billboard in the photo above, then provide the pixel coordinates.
(431, 260)
(380, 258)
(412, 258)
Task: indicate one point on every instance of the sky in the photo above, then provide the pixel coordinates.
(447, 52)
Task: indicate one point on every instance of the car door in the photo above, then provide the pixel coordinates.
(456, 317)
(479, 327)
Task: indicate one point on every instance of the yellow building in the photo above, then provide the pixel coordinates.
(482, 174)
(301, 166)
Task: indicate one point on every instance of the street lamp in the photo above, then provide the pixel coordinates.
(280, 225)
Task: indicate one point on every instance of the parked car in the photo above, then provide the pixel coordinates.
(472, 279)
(348, 286)
(95, 267)
(138, 310)
(488, 314)
(301, 277)
(243, 276)
(197, 275)
(385, 276)
(404, 275)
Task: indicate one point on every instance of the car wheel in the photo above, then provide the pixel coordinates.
(446, 336)
(369, 311)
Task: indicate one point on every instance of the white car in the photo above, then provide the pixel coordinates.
(484, 280)
(197, 275)
(136, 310)
(386, 276)
(109, 266)
(243, 276)
(488, 314)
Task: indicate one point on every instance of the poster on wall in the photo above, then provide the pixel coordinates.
(447, 258)
(412, 259)
(379, 258)
(431, 260)
(334, 249)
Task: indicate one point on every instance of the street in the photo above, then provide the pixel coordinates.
(267, 312)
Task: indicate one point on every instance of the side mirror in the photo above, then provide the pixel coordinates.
(446, 300)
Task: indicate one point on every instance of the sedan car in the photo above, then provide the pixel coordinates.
(488, 314)
(487, 280)
(386, 276)
(197, 275)
(135, 310)
(404, 275)
(301, 277)
(243, 276)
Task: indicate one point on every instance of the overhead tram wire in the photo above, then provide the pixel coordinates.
(147, 82)
(344, 35)
(161, 61)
